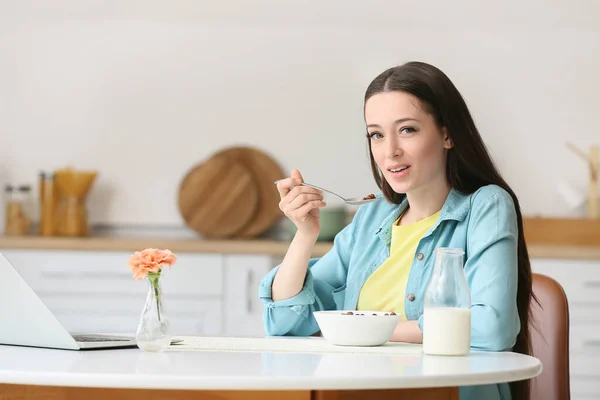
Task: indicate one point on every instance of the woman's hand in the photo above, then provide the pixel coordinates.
(301, 204)
(408, 331)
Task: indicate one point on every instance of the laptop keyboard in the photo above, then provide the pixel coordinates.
(83, 338)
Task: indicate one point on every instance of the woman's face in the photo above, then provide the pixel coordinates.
(407, 144)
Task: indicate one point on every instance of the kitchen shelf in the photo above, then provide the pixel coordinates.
(257, 246)
(562, 231)
(268, 247)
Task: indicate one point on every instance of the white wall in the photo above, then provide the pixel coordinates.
(143, 90)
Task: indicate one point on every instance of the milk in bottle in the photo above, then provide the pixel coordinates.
(447, 306)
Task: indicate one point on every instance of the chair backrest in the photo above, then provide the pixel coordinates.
(549, 332)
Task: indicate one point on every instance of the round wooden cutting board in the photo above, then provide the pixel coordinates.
(218, 198)
(265, 171)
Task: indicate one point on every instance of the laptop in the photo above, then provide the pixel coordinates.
(26, 321)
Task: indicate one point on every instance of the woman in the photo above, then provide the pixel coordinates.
(441, 190)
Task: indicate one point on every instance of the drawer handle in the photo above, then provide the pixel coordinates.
(55, 274)
(84, 275)
(249, 279)
(592, 284)
(591, 343)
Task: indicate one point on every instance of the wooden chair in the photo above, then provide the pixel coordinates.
(550, 340)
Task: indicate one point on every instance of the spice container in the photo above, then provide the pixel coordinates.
(71, 212)
(47, 204)
(17, 221)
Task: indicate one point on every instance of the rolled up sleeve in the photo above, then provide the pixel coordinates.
(491, 271)
(324, 276)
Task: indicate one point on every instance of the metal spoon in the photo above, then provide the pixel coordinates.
(355, 201)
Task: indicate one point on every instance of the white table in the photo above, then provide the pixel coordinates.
(250, 375)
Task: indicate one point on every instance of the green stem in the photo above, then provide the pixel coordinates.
(154, 276)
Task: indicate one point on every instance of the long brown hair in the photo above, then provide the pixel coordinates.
(468, 167)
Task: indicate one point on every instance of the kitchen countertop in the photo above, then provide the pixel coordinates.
(256, 246)
(407, 367)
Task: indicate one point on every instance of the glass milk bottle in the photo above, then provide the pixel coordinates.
(447, 306)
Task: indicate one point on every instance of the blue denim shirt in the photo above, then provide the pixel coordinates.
(483, 224)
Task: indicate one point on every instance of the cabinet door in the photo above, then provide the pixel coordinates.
(579, 278)
(243, 307)
(92, 291)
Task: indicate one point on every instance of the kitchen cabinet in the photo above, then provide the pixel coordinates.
(243, 307)
(92, 291)
(580, 280)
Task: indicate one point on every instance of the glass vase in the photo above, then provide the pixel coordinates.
(153, 328)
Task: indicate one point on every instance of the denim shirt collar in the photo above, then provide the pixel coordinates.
(456, 207)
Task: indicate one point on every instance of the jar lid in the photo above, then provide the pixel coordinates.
(48, 175)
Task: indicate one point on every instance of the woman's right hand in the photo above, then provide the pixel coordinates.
(301, 204)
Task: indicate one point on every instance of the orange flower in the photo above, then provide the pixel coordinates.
(150, 260)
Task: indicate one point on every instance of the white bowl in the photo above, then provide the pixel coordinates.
(363, 328)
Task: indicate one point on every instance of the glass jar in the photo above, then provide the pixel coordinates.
(447, 306)
(17, 221)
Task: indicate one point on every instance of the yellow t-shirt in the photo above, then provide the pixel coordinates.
(385, 289)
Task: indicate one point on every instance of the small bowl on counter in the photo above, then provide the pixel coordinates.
(332, 220)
